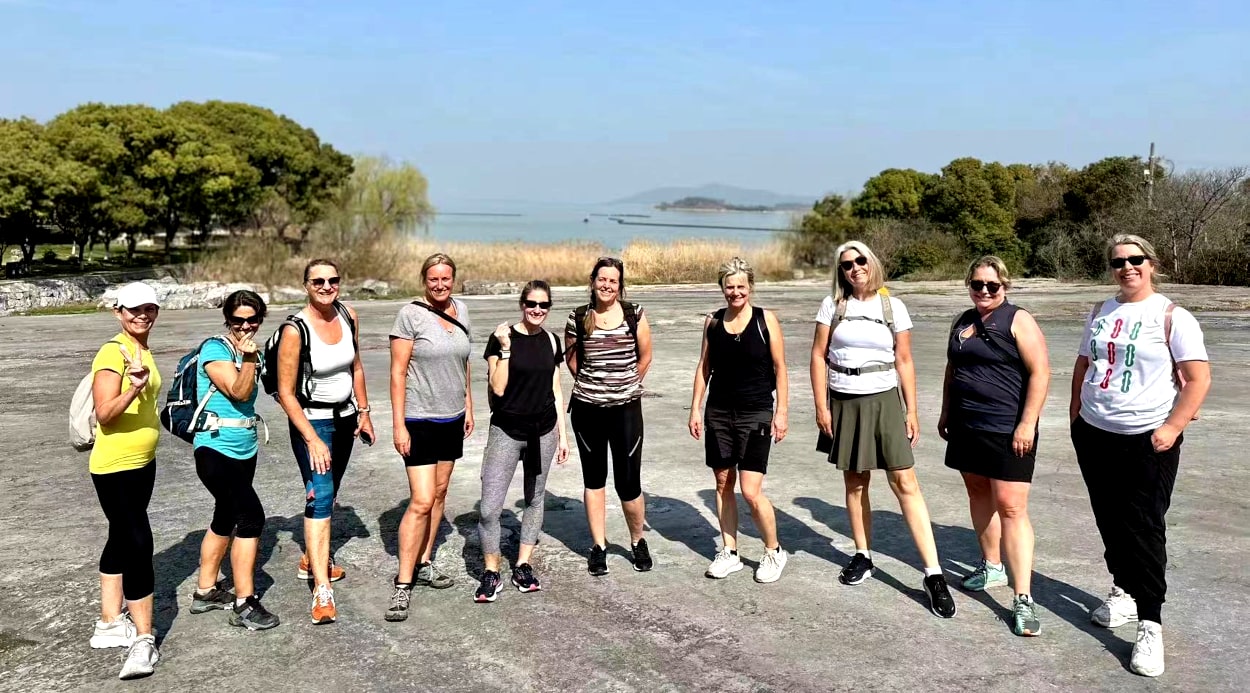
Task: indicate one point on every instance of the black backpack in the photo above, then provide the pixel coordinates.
(579, 318)
(303, 388)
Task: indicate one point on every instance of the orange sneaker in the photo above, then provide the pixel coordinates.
(305, 572)
(323, 610)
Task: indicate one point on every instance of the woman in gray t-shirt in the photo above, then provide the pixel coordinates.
(432, 412)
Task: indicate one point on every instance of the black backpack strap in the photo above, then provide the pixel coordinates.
(717, 317)
(760, 318)
(444, 316)
(351, 323)
(994, 341)
(630, 311)
(579, 328)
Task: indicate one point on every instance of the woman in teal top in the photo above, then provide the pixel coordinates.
(225, 460)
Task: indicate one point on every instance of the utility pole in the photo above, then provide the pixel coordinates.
(1150, 178)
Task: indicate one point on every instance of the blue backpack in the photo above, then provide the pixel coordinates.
(184, 406)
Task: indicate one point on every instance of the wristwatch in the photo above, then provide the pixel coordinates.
(363, 410)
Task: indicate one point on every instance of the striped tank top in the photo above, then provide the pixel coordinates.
(609, 375)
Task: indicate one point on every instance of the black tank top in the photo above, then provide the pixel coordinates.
(742, 365)
(988, 380)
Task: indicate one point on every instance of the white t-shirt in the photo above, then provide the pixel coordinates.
(1129, 387)
(859, 343)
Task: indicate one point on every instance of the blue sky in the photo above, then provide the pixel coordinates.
(588, 101)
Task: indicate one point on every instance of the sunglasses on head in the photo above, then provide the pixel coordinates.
(846, 265)
(978, 285)
(545, 305)
(1134, 260)
(322, 281)
(236, 321)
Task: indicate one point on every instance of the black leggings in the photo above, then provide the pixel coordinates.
(618, 427)
(124, 497)
(229, 479)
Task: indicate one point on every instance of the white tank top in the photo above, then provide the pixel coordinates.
(331, 371)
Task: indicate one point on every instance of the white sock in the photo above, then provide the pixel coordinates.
(995, 566)
(865, 553)
(930, 572)
(240, 602)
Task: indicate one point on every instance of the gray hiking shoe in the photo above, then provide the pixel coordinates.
(1024, 616)
(428, 576)
(215, 598)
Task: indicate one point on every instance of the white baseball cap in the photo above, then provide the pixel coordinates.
(136, 294)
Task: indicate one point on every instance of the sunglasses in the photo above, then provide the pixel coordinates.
(545, 305)
(846, 265)
(1134, 260)
(236, 321)
(978, 285)
(321, 281)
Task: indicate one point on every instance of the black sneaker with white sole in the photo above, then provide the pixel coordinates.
(523, 578)
(642, 556)
(214, 598)
(859, 569)
(597, 563)
(941, 603)
(252, 615)
(490, 588)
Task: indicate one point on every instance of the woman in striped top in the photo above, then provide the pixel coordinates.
(608, 349)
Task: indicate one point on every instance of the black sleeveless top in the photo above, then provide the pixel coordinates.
(741, 364)
(988, 377)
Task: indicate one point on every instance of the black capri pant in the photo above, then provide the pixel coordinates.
(124, 497)
(238, 510)
(619, 428)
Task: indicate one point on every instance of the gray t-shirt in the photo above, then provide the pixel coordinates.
(436, 372)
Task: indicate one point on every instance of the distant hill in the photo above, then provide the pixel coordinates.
(715, 191)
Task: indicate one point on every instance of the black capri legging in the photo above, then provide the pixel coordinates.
(238, 510)
(124, 497)
(618, 427)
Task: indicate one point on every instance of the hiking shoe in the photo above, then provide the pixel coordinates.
(120, 632)
(1147, 657)
(523, 578)
(642, 556)
(1118, 608)
(984, 577)
(323, 609)
(1024, 616)
(725, 564)
(490, 588)
(859, 569)
(940, 601)
(305, 571)
(428, 576)
(141, 659)
(771, 565)
(252, 615)
(400, 599)
(215, 598)
(597, 564)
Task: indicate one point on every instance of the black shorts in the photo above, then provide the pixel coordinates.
(739, 439)
(433, 442)
(988, 454)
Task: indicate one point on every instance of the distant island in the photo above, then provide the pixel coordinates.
(716, 191)
(711, 204)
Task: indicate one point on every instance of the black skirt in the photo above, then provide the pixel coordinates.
(988, 454)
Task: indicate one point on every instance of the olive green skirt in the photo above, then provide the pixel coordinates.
(869, 432)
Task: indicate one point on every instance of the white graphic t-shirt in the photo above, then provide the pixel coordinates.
(859, 343)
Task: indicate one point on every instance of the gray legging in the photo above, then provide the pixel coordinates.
(499, 463)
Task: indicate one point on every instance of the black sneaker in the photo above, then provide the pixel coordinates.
(400, 599)
(523, 578)
(642, 556)
(859, 569)
(940, 601)
(490, 588)
(216, 598)
(598, 562)
(252, 615)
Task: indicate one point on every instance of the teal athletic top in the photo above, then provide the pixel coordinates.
(239, 443)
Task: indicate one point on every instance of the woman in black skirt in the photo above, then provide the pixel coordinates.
(997, 372)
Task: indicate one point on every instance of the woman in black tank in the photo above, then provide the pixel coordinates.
(997, 373)
(744, 350)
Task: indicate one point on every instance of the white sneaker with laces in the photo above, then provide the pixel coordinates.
(725, 563)
(771, 565)
(117, 633)
(141, 659)
(1119, 608)
(1148, 651)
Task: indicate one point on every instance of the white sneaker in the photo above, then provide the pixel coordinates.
(771, 565)
(141, 659)
(117, 633)
(725, 563)
(1118, 609)
(1148, 652)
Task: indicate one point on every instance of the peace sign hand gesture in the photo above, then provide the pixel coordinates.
(136, 371)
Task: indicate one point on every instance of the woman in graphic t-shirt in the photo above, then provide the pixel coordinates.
(526, 425)
(1128, 410)
(861, 358)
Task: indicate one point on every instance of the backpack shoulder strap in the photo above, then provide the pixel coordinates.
(1098, 309)
(716, 317)
(555, 342)
(887, 309)
(1167, 331)
(442, 315)
(760, 319)
(630, 311)
(347, 318)
(839, 314)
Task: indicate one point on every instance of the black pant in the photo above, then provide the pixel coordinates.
(238, 510)
(1130, 489)
(618, 427)
(124, 497)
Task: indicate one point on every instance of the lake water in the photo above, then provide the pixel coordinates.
(552, 223)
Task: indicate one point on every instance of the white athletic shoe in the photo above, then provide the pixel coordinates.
(1148, 652)
(724, 564)
(771, 565)
(1118, 609)
(118, 633)
(141, 659)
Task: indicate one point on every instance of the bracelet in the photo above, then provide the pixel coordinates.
(505, 354)
(363, 410)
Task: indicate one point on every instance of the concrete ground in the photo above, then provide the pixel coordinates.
(670, 629)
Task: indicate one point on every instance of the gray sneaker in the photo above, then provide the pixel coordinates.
(141, 659)
(984, 577)
(252, 615)
(428, 576)
(215, 598)
(1024, 616)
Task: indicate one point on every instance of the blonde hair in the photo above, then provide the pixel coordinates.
(842, 288)
(1147, 249)
(736, 266)
(435, 260)
(993, 262)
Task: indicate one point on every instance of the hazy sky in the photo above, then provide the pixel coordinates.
(588, 101)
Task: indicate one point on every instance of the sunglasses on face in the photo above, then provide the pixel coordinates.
(1134, 260)
(236, 321)
(846, 265)
(545, 305)
(978, 286)
(322, 281)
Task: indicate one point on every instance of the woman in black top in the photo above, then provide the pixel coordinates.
(743, 355)
(997, 372)
(526, 425)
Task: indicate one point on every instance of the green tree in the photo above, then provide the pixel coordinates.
(29, 185)
(1105, 186)
(893, 194)
(813, 238)
(976, 201)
